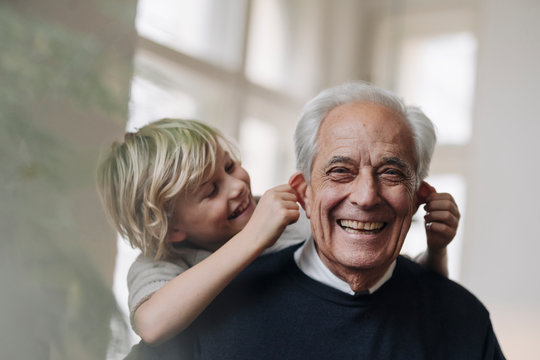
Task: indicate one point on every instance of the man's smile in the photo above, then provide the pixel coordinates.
(360, 227)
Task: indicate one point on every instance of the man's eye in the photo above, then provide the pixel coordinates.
(339, 173)
(393, 175)
(339, 170)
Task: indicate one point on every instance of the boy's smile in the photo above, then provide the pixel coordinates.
(243, 207)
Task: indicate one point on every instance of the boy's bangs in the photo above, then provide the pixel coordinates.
(202, 165)
(203, 169)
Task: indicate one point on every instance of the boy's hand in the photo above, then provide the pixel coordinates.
(441, 219)
(276, 209)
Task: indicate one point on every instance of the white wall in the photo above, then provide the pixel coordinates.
(503, 242)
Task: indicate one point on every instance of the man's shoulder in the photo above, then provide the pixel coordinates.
(421, 278)
(272, 263)
(265, 275)
(436, 288)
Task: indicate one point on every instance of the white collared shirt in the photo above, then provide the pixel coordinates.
(310, 263)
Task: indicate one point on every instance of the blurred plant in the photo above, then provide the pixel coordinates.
(56, 302)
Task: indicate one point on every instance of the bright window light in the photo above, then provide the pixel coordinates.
(150, 102)
(437, 73)
(208, 29)
(267, 49)
(284, 45)
(259, 148)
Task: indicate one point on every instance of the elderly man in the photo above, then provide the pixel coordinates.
(346, 293)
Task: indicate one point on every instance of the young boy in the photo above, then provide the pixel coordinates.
(176, 190)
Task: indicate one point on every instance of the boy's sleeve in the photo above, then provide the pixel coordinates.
(146, 276)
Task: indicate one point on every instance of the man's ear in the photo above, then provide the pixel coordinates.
(300, 185)
(423, 193)
(175, 234)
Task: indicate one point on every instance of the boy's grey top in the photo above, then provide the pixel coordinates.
(146, 275)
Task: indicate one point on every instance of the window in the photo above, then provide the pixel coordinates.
(438, 72)
(206, 29)
(284, 45)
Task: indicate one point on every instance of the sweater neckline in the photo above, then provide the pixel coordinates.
(327, 292)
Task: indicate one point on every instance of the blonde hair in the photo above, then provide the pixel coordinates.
(140, 179)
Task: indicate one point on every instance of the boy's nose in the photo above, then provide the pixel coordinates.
(236, 187)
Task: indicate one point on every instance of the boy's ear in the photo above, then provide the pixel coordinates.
(175, 234)
(300, 185)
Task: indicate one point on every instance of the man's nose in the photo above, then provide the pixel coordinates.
(364, 191)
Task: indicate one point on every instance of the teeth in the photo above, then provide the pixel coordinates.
(352, 225)
(240, 209)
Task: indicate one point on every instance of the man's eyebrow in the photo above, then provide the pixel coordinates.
(398, 162)
(339, 160)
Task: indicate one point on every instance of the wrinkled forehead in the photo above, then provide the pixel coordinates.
(368, 115)
(354, 126)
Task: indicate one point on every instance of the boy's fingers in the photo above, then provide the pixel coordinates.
(292, 205)
(439, 196)
(285, 192)
(294, 215)
(442, 205)
(445, 217)
(440, 228)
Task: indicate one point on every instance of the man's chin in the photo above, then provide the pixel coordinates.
(366, 262)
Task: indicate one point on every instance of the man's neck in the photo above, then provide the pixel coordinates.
(359, 280)
(352, 281)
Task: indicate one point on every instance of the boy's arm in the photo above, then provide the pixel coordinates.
(147, 275)
(441, 222)
(177, 304)
(434, 260)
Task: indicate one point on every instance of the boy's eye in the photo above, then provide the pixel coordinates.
(213, 191)
(230, 167)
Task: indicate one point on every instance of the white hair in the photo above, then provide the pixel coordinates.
(314, 112)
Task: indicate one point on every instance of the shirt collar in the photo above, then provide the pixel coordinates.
(310, 263)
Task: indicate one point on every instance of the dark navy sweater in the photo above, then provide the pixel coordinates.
(274, 311)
